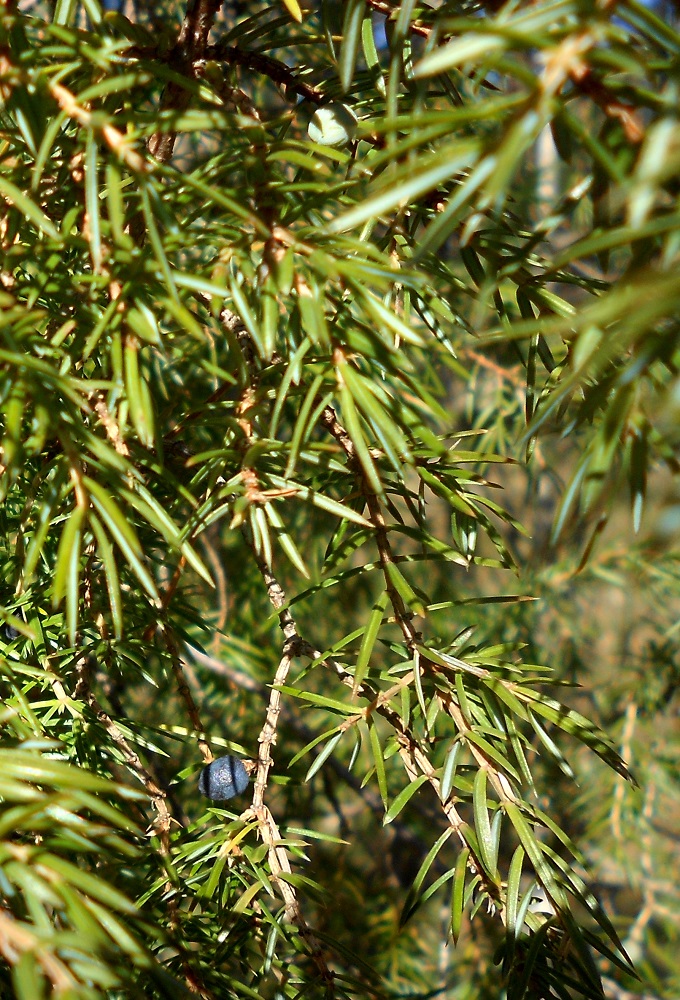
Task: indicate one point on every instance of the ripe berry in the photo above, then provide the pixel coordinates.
(223, 779)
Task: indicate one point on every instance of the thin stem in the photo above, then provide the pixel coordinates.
(186, 58)
(276, 70)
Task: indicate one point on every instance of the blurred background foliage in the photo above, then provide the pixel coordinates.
(339, 401)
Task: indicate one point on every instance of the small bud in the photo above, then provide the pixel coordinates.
(333, 125)
(223, 779)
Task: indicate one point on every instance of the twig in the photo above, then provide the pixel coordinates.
(220, 579)
(117, 141)
(243, 680)
(187, 58)
(166, 596)
(404, 619)
(163, 823)
(634, 939)
(276, 70)
(402, 614)
(257, 62)
(278, 857)
(267, 737)
(133, 761)
(269, 831)
(413, 757)
(512, 374)
(389, 11)
(109, 424)
(279, 862)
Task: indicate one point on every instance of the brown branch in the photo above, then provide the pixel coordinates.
(156, 794)
(278, 856)
(567, 61)
(186, 58)
(182, 687)
(415, 760)
(166, 597)
(627, 755)
(240, 679)
(389, 11)
(276, 70)
(277, 598)
(269, 831)
(402, 614)
(267, 737)
(257, 62)
(279, 862)
(83, 692)
(513, 374)
(412, 755)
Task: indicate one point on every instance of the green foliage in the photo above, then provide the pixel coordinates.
(288, 292)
